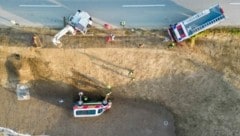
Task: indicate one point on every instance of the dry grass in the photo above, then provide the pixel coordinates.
(199, 85)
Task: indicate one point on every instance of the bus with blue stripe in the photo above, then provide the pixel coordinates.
(196, 23)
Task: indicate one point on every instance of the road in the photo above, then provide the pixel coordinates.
(144, 13)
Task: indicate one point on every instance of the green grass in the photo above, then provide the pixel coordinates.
(231, 30)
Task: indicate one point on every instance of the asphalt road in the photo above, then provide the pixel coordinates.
(144, 13)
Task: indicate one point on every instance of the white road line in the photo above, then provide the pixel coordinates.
(40, 6)
(143, 6)
(234, 3)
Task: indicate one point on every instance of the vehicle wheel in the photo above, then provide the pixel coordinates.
(104, 102)
(80, 103)
(70, 18)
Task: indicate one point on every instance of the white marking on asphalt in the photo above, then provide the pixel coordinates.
(40, 6)
(234, 3)
(143, 6)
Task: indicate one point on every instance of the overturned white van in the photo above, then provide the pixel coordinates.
(77, 22)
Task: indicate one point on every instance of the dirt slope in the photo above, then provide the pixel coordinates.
(199, 86)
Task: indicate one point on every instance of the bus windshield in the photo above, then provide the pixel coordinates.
(180, 31)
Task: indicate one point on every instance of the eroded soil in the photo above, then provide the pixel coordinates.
(195, 89)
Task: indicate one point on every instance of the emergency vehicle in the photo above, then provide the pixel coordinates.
(196, 23)
(83, 108)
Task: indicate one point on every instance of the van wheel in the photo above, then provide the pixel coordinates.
(80, 103)
(104, 102)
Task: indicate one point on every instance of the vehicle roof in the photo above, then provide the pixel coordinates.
(201, 18)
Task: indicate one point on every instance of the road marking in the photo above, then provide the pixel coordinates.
(40, 6)
(143, 6)
(234, 3)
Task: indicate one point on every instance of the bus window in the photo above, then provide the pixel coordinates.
(100, 110)
(180, 31)
(86, 112)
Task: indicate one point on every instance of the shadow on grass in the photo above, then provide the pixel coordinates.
(13, 64)
(119, 70)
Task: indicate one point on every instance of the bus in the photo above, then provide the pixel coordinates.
(196, 23)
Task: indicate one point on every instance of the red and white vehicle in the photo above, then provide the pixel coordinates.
(91, 109)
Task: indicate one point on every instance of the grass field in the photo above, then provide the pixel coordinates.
(195, 88)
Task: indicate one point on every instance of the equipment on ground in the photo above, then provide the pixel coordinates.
(23, 91)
